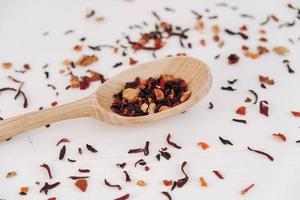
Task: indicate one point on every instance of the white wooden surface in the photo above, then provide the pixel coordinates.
(22, 24)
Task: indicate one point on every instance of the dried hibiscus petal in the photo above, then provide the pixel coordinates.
(233, 59)
(262, 153)
(48, 170)
(280, 136)
(172, 143)
(124, 197)
(244, 191)
(91, 148)
(263, 108)
(296, 114)
(63, 140)
(203, 145)
(62, 153)
(48, 187)
(112, 185)
(132, 61)
(167, 195)
(218, 174)
(181, 182)
(266, 80)
(224, 141)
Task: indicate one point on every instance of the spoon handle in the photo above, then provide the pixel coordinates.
(16, 125)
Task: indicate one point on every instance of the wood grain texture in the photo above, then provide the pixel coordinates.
(97, 105)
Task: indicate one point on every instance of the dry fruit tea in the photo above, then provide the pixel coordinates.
(143, 97)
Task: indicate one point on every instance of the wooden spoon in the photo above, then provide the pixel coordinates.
(97, 105)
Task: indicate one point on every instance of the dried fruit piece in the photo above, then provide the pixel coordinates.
(77, 48)
(215, 29)
(163, 108)
(7, 65)
(203, 145)
(130, 94)
(86, 60)
(251, 55)
(151, 108)
(199, 25)
(81, 184)
(203, 182)
(167, 182)
(241, 110)
(185, 96)
(144, 107)
(281, 50)
(142, 97)
(24, 190)
(11, 174)
(141, 183)
(159, 94)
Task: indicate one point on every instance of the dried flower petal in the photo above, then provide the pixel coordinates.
(218, 174)
(263, 108)
(63, 140)
(266, 80)
(203, 145)
(280, 136)
(124, 197)
(295, 113)
(244, 191)
(111, 185)
(233, 59)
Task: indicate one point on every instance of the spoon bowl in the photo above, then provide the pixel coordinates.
(195, 73)
(98, 105)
